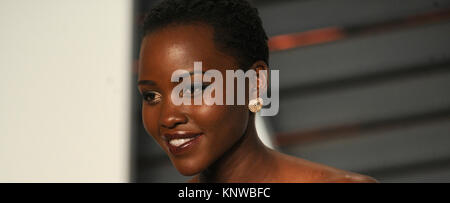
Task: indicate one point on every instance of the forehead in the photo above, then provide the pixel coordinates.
(178, 47)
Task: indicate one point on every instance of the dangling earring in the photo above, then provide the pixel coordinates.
(255, 105)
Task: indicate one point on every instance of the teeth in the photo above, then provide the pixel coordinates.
(179, 142)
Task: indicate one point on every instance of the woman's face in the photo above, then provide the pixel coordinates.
(193, 136)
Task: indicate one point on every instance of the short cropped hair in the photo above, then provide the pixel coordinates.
(238, 29)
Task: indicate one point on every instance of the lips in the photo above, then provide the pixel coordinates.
(181, 142)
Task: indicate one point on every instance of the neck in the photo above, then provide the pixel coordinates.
(247, 161)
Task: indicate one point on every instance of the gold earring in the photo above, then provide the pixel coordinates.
(255, 105)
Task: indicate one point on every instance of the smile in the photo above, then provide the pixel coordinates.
(181, 142)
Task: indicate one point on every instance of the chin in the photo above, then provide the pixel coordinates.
(188, 168)
(188, 172)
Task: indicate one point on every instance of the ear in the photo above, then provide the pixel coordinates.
(261, 69)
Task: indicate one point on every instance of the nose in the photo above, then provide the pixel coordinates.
(171, 116)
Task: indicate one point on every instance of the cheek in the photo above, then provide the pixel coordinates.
(149, 121)
(223, 124)
(213, 118)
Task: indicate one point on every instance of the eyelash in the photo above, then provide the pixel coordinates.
(153, 97)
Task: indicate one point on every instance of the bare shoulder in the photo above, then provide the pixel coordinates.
(295, 169)
(350, 177)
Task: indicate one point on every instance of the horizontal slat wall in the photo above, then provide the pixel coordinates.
(384, 100)
(290, 16)
(363, 55)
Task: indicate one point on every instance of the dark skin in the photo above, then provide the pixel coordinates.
(229, 149)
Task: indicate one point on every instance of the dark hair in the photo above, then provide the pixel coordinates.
(238, 29)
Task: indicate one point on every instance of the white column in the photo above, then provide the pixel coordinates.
(64, 90)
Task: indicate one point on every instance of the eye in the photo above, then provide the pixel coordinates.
(195, 89)
(151, 97)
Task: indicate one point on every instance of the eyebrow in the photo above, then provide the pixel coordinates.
(146, 82)
(151, 82)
